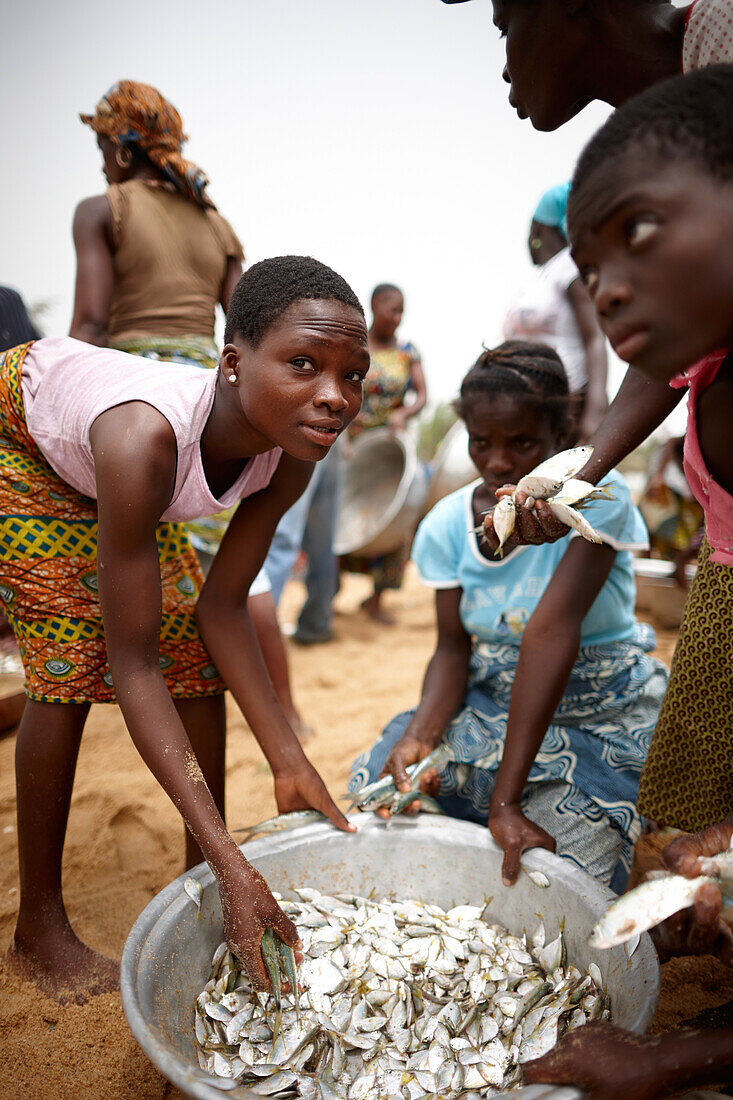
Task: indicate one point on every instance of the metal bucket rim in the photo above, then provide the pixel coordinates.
(409, 454)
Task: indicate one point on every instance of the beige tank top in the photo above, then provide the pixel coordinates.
(170, 259)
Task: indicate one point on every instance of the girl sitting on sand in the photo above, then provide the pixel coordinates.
(540, 683)
(100, 457)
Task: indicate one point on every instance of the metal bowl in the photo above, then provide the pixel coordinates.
(166, 961)
(452, 468)
(382, 494)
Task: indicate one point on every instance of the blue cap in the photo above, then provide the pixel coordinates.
(552, 208)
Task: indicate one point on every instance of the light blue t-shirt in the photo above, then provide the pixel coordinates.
(499, 596)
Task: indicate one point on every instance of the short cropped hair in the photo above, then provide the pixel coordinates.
(269, 287)
(685, 118)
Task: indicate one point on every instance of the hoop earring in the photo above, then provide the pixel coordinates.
(120, 158)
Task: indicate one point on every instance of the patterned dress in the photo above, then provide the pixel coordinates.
(384, 391)
(583, 782)
(48, 575)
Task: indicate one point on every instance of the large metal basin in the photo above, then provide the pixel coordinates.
(167, 955)
(382, 494)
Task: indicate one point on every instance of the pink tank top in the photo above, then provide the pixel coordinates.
(67, 384)
(716, 502)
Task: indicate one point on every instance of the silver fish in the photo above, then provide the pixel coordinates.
(280, 823)
(644, 907)
(195, 891)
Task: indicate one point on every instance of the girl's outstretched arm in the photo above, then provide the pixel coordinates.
(135, 458)
(226, 627)
(443, 691)
(548, 652)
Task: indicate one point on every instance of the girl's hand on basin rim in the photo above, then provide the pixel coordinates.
(532, 526)
(249, 908)
(411, 748)
(608, 1062)
(300, 787)
(515, 833)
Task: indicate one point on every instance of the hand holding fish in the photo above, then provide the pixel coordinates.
(301, 788)
(684, 855)
(701, 929)
(249, 909)
(515, 833)
(410, 749)
(533, 525)
(550, 489)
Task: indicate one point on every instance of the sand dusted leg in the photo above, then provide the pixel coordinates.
(204, 720)
(45, 949)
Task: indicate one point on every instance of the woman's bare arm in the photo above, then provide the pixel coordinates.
(547, 654)
(226, 627)
(135, 459)
(94, 271)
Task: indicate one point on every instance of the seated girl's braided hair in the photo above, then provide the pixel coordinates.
(532, 371)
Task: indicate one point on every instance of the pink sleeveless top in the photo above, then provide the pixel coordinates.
(716, 502)
(67, 384)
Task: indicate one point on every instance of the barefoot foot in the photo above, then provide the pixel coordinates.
(63, 967)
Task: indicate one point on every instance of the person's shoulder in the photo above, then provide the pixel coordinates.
(92, 211)
(223, 231)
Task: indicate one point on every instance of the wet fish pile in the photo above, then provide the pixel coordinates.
(398, 999)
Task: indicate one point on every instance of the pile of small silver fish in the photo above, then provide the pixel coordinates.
(553, 481)
(658, 898)
(397, 1000)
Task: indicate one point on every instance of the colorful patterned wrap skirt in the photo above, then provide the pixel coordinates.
(48, 575)
(583, 783)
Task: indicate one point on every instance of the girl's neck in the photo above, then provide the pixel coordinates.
(379, 343)
(642, 44)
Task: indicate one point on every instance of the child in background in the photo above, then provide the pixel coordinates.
(395, 369)
(540, 682)
(99, 451)
(651, 222)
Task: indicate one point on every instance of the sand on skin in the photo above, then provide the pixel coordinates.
(125, 843)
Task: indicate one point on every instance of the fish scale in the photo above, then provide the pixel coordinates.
(394, 999)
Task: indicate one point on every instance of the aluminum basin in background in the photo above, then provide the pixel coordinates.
(167, 957)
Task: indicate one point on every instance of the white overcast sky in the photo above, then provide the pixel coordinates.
(373, 134)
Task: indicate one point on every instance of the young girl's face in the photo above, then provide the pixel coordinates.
(653, 241)
(301, 386)
(507, 439)
(387, 313)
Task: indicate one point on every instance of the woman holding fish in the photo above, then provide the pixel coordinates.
(540, 690)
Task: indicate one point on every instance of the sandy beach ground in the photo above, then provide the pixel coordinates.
(125, 843)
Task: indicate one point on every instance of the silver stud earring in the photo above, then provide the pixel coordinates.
(232, 378)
